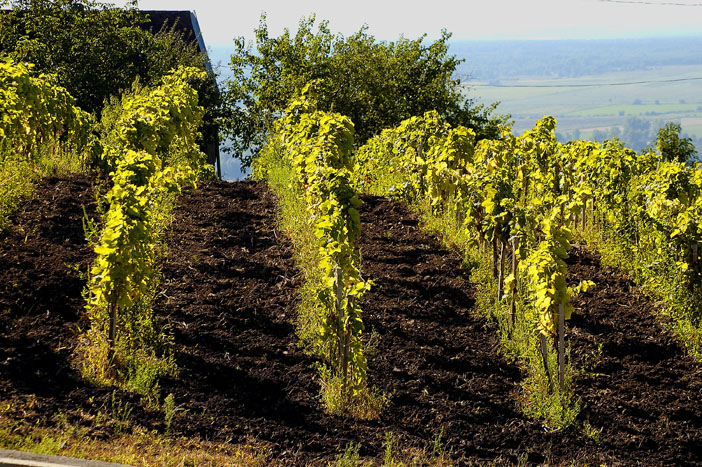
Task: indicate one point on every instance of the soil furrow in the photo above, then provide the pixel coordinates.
(43, 256)
(229, 294)
(438, 356)
(638, 386)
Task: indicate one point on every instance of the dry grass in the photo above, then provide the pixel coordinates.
(138, 447)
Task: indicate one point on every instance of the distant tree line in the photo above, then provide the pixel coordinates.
(493, 60)
(647, 135)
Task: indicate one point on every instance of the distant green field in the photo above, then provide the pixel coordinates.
(605, 105)
(694, 130)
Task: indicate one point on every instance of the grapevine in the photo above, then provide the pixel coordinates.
(319, 147)
(152, 153)
(37, 113)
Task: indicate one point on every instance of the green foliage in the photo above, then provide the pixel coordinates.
(169, 410)
(170, 50)
(41, 132)
(317, 147)
(540, 397)
(55, 36)
(645, 213)
(514, 197)
(376, 84)
(546, 274)
(350, 456)
(94, 49)
(16, 184)
(672, 147)
(151, 152)
(37, 113)
(276, 170)
(656, 233)
(507, 188)
(424, 148)
(163, 122)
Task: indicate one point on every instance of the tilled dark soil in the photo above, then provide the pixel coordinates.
(230, 288)
(229, 294)
(638, 386)
(43, 261)
(41, 255)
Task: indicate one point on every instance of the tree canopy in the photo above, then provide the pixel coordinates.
(377, 84)
(672, 146)
(94, 49)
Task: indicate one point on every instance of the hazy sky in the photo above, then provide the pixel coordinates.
(222, 20)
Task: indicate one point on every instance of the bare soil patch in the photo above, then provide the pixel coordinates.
(639, 387)
(229, 296)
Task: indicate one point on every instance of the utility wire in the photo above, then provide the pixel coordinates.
(592, 85)
(637, 2)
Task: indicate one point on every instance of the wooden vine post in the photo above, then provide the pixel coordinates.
(420, 153)
(501, 277)
(460, 215)
(544, 356)
(572, 220)
(515, 265)
(561, 345)
(558, 191)
(112, 334)
(342, 334)
(694, 254)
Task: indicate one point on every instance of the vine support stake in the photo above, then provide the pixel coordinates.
(694, 253)
(515, 264)
(561, 344)
(112, 335)
(347, 341)
(421, 174)
(341, 331)
(544, 356)
(501, 277)
(460, 215)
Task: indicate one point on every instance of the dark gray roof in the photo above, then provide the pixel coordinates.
(185, 22)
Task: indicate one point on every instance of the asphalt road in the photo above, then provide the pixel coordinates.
(26, 459)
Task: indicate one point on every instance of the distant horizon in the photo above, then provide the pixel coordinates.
(697, 35)
(468, 20)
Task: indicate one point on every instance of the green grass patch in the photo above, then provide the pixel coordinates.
(16, 185)
(98, 440)
(18, 175)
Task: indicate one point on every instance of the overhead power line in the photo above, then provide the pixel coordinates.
(640, 2)
(591, 85)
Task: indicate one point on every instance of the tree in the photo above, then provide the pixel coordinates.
(375, 83)
(671, 146)
(94, 49)
(637, 133)
(97, 51)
